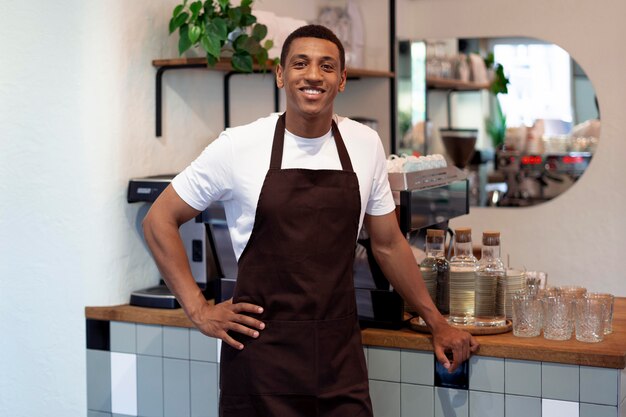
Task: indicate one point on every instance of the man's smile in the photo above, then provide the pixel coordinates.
(312, 91)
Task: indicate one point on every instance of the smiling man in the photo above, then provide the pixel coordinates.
(297, 187)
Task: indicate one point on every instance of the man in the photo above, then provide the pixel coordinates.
(292, 343)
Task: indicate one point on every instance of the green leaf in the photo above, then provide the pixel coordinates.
(177, 10)
(217, 27)
(211, 45)
(184, 43)
(211, 60)
(242, 61)
(261, 58)
(259, 31)
(209, 8)
(239, 43)
(234, 15)
(178, 21)
(194, 33)
(246, 3)
(252, 46)
(195, 8)
(247, 19)
(223, 3)
(269, 44)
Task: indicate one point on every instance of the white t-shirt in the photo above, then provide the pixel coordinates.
(233, 167)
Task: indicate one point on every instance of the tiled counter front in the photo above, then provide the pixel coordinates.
(402, 384)
(152, 370)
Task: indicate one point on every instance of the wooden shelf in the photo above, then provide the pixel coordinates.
(456, 85)
(224, 65)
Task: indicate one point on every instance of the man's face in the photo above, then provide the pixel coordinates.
(312, 77)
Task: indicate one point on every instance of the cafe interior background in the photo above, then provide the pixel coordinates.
(77, 122)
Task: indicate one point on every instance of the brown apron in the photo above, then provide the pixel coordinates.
(298, 265)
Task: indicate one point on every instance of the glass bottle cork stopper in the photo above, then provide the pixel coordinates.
(491, 238)
(463, 235)
(435, 232)
(435, 235)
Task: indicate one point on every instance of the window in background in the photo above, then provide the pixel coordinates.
(540, 84)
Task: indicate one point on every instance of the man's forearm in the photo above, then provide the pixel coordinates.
(163, 239)
(400, 268)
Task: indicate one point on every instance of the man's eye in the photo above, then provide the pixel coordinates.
(299, 64)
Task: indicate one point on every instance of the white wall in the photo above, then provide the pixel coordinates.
(578, 237)
(77, 121)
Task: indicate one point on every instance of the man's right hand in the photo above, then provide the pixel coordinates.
(217, 320)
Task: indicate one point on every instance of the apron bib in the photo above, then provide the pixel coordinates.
(298, 265)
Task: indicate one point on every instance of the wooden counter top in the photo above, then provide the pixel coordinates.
(610, 353)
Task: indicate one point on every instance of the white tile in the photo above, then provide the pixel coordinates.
(556, 408)
(385, 398)
(560, 381)
(384, 364)
(486, 404)
(417, 367)
(486, 374)
(599, 385)
(417, 400)
(124, 383)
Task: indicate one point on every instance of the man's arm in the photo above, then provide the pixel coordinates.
(160, 228)
(394, 256)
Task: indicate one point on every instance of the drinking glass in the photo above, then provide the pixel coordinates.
(536, 280)
(609, 301)
(590, 319)
(527, 315)
(572, 291)
(557, 318)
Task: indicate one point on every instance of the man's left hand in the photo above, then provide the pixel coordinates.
(460, 343)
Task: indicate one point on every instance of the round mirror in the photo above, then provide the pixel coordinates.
(518, 115)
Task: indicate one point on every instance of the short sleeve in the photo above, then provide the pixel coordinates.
(381, 200)
(209, 177)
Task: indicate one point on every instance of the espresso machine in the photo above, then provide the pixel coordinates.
(424, 199)
(207, 244)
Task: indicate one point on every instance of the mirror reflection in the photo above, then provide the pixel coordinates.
(518, 115)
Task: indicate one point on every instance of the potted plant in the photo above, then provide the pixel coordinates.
(221, 29)
(496, 124)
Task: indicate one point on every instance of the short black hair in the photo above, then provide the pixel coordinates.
(313, 31)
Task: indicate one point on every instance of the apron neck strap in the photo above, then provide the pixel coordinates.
(279, 142)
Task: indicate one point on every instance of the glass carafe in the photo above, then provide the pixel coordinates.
(435, 269)
(463, 267)
(490, 284)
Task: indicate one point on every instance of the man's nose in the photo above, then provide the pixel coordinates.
(313, 73)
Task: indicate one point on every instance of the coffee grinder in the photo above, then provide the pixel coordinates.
(197, 238)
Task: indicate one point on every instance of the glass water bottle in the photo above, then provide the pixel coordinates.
(490, 284)
(463, 267)
(435, 269)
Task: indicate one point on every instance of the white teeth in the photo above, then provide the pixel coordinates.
(311, 91)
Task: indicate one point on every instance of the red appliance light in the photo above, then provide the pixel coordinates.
(573, 159)
(532, 160)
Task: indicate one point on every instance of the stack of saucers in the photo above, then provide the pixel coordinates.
(515, 281)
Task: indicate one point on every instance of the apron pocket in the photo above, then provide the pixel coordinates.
(282, 359)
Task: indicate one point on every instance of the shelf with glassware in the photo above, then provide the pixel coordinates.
(224, 66)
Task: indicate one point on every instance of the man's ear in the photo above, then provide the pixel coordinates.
(344, 79)
(280, 83)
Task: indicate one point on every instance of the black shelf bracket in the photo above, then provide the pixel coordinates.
(159, 92)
